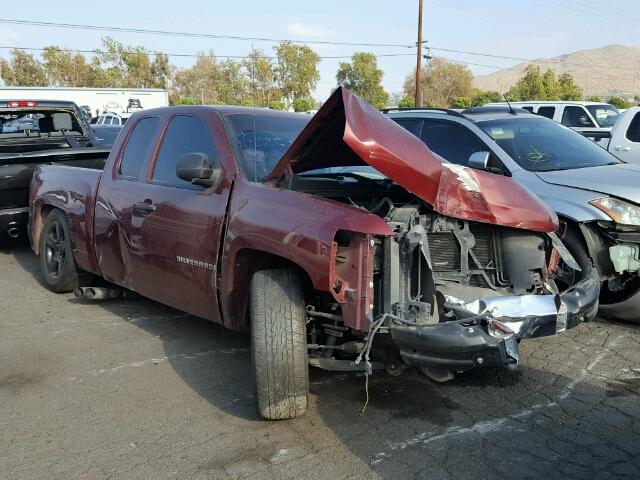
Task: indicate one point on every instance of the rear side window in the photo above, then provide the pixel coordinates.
(452, 142)
(633, 132)
(184, 135)
(529, 109)
(139, 147)
(575, 117)
(411, 124)
(548, 112)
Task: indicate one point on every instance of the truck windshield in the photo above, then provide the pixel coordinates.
(541, 145)
(605, 115)
(260, 140)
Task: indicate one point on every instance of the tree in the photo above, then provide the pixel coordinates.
(261, 73)
(407, 102)
(481, 97)
(568, 88)
(129, 66)
(534, 85)
(296, 71)
(362, 76)
(462, 102)
(213, 82)
(594, 98)
(619, 103)
(65, 69)
(303, 104)
(443, 81)
(23, 70)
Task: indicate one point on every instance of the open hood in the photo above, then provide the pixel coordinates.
(347, 131)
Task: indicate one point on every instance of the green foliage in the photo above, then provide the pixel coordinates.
(407, 102)
(276, 105)
(482, 97)
(262, 77)
(24, 70)
(184, 101)
(363, 77)
(256, 81)
(296, 71)
(443, 81)
(461, 102)
(594, 98)
(303, 104)
(620, 103)
(535, 85)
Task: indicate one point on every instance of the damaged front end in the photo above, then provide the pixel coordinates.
(464, 294)
(468, 269)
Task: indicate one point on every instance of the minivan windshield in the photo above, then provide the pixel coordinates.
(606, 115)
(542, 145)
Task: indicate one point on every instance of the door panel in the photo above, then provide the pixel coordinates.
(176, 225)
(115, 199)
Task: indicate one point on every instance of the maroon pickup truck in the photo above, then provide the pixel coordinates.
(266, 222)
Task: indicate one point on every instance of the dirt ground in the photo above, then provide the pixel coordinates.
(133, 389)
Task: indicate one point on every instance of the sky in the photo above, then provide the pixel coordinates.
(516, 28)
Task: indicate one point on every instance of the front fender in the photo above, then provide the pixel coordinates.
(298, 228)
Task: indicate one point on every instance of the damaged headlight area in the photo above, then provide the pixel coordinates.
(619, 211)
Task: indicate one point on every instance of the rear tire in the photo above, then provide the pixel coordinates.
(279, 344)
(57, 265)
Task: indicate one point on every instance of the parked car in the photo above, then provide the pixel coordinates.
(591, 119)
(113, 119)
(228, 213)
(596, 196)
(625, 136)
(32, 133)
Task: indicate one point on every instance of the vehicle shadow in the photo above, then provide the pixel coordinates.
(555, 422)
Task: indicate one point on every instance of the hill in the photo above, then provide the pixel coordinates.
(605, 71)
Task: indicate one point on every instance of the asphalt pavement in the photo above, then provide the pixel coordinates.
(133, 389)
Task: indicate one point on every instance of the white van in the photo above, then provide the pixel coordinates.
(592, 119)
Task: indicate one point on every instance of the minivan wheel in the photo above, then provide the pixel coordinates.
(56, 256)
(279, 344)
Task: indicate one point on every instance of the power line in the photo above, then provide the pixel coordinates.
(77, 26)
(600, 15)
(186, 55)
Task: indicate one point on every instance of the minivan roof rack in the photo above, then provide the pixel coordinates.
(448, 111)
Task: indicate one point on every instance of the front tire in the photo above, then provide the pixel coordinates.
(57, 265)
(279, 344)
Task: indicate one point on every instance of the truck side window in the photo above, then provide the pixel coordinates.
(548, 112)
(633, 132)
(185, 134)
(576, 117)
(139, 147)
(452, 142)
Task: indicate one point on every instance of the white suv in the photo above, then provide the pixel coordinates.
(592, 119)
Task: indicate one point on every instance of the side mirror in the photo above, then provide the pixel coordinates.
(479, 160)
(196, 168)
(584, 122)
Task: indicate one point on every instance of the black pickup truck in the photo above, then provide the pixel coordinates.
(36, 133)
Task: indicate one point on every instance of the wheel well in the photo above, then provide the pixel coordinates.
(45, 210)
(247, 262)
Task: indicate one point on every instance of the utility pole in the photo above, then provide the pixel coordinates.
(418, 96)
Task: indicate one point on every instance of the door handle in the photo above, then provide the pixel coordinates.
(620, 148)
(144, 207)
